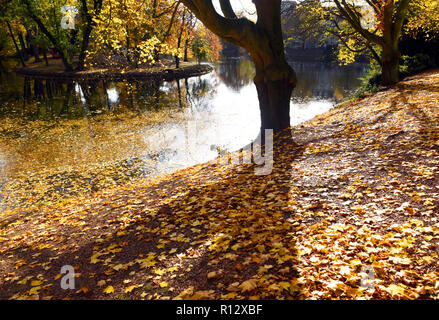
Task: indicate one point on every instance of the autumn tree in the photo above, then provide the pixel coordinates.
(303, 22)
(200, 48)
(423, 17)
(89, 13)
(138, 31)
(46, 16)
(275, 79)
(183, 27)
(386, 33)
(43, 21)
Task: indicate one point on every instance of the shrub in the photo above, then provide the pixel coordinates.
(415, 64)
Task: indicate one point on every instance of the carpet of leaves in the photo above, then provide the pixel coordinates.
(350, 211)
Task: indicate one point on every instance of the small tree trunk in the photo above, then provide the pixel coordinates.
(36, 53)
(186, 47)
(24, 51)
(19, 54)
(45, 57)
(177, 62)
(67, 64)
(84, 47)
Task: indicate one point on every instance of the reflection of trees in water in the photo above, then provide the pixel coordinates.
(315, 79)
(323, 81)
(50, 99)
(201, 90)
(236, 73)
(38, 98)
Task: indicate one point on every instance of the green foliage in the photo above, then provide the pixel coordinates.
(3, 40)
(410, 65)
(371, 76)
(200, 48)
(304, 23)
(417, 63)
(370, 82)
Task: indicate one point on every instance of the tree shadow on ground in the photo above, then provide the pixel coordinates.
(224, 233)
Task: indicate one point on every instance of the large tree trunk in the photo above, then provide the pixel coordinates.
(275, 80)
(390, 65)
(274, 87)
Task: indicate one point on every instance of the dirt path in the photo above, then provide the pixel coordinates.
(349, 212)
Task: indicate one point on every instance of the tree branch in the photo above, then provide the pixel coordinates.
(227, 9)
(354, 21)
(236, 31)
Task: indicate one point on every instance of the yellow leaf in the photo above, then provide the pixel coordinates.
(131, 288)
(248, 285)
(95, 258)
(109, 290)
(36, 283)
(213, 275)
(163, 284)
(160, 272)
(121, 233)
(395, 290)
(399, 260)
(285, 285)
(34, 290)
(101, 283)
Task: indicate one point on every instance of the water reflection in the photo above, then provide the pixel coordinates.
(236, 73)
(157, 126)
(319, 81)
(49, 99)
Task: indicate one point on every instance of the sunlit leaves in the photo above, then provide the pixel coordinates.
(109, 290)
(350, 214)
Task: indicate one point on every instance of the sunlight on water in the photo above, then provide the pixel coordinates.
(113, 95)
(301, 112)
(135, 129)
(230, 122)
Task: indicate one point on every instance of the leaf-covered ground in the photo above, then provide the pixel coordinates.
(357, 191)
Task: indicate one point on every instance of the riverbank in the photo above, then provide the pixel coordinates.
(350, 211)
(166, 73)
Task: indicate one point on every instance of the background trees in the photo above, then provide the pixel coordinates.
(303, 22)
(376, 27)
(385, 32)
(106, 33)
(131, 33)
